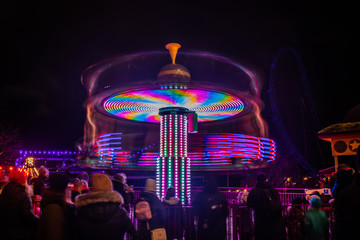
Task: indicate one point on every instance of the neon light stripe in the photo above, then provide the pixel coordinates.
(144, 105)
(203, 153)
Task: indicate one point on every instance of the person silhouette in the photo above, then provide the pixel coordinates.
(265, 201)
(175, 215)
(211, 209)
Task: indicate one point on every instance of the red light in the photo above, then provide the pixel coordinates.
(11, 168)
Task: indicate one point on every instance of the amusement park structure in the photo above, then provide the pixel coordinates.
(211, 123)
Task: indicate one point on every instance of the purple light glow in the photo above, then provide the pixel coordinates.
(218, 149)
(37, 152)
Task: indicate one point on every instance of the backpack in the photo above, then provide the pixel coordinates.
(272, 204)
(143, 211)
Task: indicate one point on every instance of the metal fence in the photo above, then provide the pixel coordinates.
(182, 224)
(231, 193)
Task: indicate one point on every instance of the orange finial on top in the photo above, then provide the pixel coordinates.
(173, 48)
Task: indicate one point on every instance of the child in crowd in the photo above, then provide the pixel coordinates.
(80, 187)
(316, 222)
(295, 220)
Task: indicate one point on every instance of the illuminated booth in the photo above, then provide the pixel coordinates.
(344, 139)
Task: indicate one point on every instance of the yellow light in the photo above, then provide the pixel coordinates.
(29, 161)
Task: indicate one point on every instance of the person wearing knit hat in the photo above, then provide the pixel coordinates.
(101, 182)
(315, 202)
(157, 210)
(18, 177)
(100, 210)
(17, 220)
(57, 213)
(316, 222)
(150, 186)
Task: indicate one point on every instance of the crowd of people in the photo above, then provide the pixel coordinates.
(70, 209)
(97, 207)
(309, 217)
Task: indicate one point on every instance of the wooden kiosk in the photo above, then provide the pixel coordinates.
(344, 139)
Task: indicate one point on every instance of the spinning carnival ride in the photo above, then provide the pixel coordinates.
(124, 111)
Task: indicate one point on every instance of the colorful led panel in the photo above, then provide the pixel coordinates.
(218, 149)
(144, 105)
(109, 151)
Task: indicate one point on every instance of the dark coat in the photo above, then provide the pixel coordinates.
(17, 219)
(100, 216)
(344, 178)
(175, 218)
(56, 218)
(266, 226)
(348, 212)
(210, 206)
(39, 184)
(121, 188)
(157, 211)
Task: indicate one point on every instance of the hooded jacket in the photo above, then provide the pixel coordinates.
(56, 218)
(17, 220)
(316, 224)
(101, 217)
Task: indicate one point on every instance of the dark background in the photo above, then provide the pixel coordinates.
(47, 44)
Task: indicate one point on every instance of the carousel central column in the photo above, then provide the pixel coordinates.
(173, 166)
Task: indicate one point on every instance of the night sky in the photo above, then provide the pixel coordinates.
(47, 44)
